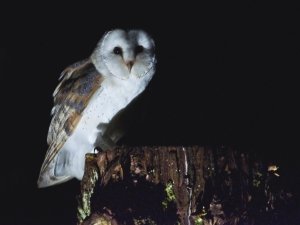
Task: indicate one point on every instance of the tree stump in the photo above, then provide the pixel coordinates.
(180, 185)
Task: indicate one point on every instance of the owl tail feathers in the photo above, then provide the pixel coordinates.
(46, 179)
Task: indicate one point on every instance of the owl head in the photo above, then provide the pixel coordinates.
(124, 54)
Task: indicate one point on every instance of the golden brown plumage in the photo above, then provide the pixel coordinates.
(78, 84)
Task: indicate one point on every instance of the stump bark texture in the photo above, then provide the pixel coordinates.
(180, 185)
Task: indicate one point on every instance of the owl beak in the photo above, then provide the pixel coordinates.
(129, 65)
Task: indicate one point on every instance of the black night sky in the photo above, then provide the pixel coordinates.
(226, 74)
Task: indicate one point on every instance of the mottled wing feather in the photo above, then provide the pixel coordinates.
(69, 71)
(78, 84)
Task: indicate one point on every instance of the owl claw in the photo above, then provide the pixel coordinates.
(97, 150)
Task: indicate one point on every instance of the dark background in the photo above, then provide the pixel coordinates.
(226, 74)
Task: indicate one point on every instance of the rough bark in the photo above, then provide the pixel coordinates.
(186, 185)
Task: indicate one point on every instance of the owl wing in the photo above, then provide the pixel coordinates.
(78, 83)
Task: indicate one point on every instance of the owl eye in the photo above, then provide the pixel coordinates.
(139, 49)
(117, 51)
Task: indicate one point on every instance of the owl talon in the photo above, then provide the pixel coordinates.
(97, 150)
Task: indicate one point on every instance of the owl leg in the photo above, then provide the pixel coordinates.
(104, 143)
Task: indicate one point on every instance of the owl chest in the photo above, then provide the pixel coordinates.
(104, 105)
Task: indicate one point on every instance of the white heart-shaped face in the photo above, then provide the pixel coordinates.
(124, 54)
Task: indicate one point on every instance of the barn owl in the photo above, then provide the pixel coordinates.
(91, 93)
